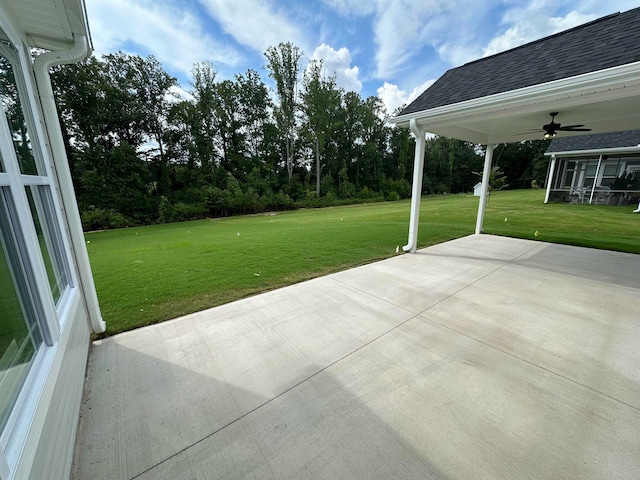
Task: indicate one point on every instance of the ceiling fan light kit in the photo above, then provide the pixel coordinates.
(551, 129)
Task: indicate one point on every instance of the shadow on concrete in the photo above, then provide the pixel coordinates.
(152, 419)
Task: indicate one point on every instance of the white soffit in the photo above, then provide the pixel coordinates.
(48, 24)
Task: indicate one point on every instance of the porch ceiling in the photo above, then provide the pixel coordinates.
(47, 24)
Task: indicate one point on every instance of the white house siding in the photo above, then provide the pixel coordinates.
(46, 413)
(49, 447)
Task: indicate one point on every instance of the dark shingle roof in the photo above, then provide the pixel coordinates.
(604, 43)
(629, 138)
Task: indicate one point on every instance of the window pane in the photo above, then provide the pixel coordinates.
(20, 335)
(610, 170)
(49, 238)
(11, 103)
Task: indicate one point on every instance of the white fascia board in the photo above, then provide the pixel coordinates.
(9, 25)
(600, 85)
(595, 151)
(76, 13)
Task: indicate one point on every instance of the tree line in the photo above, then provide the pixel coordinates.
(140, 153)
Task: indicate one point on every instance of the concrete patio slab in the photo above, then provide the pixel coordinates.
(484, 357)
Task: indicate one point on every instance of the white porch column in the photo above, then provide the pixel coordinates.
(485, 187)
(416, 190)
(595, 179)
(552, 171)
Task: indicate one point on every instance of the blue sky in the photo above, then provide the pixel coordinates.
(390, 48)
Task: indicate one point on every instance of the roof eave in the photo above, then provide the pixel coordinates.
(595, 86)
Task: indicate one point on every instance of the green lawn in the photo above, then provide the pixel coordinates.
(149, 274)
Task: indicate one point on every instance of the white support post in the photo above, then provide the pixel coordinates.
(595, 180)
(552, 171)
(416, 190)
(485, 187)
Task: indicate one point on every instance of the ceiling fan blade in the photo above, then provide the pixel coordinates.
(528, 132)
(570, 129)
(573, 126)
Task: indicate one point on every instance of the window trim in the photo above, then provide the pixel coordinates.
(51, 318)
(44, 157)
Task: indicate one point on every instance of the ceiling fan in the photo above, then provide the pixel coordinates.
(550, 129)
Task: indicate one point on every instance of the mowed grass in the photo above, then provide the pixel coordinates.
(149, 274)
(522, 213)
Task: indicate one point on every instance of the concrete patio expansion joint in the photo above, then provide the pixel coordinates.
(267, 402)
(531, 363)
(423, 315)
(347, 355)
(435, 304)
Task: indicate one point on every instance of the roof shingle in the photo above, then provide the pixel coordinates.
(603, 43)
(629, 138)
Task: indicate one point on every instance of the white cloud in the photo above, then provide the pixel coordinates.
(339, 62)
(533, 28)
(392, 97)
(572, 19)
(403, 28)
(255, 23)
(459, 31)
(352, 7)
(174, 36)
(178, 94)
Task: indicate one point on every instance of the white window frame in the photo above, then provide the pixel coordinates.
(52, 317)
(43, 159)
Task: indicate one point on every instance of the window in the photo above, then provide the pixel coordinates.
(609, 174)
(568, 178)
(12, 91)
(40, 202)
(36, 279)
(34, 176)
(589, 175)
(20, 334)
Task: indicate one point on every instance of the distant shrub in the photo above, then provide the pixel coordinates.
(180, 212)
(278, 201)
(102, 219)
(392, 196)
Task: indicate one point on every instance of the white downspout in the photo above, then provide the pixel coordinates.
(416, 190)
(41, 66)
(484, 190)
(552, 171)
(595, 179)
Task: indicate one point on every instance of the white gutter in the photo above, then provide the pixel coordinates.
(41, 66)
(595, 151)
(416, 190)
